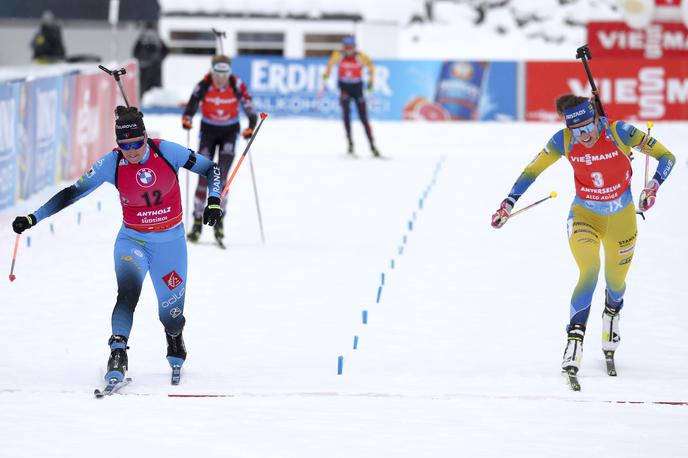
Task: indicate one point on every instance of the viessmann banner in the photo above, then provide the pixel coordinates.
(632, 89)
(656, 41)
(431, 90)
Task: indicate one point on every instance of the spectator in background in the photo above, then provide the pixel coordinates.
(150, 51)
(47, 44)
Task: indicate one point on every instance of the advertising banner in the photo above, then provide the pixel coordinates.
(64, 146)
(9, 117)
(630, 89)
(44, 107)
(431, 90)
(656, 41)
(90, 95)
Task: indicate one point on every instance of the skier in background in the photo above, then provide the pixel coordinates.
(602, 212)
(350, 82)
(219, 95)
(150, 51)
(151, 238)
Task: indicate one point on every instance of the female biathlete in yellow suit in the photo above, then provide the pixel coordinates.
(602, 212)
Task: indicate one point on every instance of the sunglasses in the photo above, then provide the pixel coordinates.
(132, 145)
(586, 129)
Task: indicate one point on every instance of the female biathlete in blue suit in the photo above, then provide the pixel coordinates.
(151, 239)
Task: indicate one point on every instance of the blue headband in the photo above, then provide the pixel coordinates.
(579, 113)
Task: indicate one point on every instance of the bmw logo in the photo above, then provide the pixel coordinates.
(145, 177)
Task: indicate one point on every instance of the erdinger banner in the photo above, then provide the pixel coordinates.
(656, 41)
(412, 90)
(630, 89)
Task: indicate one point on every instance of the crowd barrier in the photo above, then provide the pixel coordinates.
(53, 127)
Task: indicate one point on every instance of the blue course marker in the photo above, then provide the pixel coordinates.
(52, 229)
(28, 241)
(403, 240)
(78, 218)
(391, 263)
(355, 342)
(340, 365)
(98, 205)
(414, 216)
(379, 293)
(410, 225)
(401, 249)
(365, 317)
(420, 203)
(382, 278)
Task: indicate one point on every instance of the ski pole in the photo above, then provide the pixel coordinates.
(188, 173)
(319, 97)
(583, 53)
(243, 155)
(255, 193)
(14, 258)
(552, 195)
(116, 74)
(649, 124)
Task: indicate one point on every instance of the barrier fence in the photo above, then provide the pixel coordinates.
(53, 128)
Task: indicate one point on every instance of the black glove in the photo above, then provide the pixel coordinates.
(22, 223)
(213, 212)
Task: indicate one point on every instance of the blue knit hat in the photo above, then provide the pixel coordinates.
(579, 113)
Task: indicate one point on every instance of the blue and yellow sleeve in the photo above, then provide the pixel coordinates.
(548, 156)
(632, 137)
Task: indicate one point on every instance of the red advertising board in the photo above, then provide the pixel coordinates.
(657, 41)
(631, 89)
(93, 124)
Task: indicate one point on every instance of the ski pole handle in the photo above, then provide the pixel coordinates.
(243, 155)
(552, 195)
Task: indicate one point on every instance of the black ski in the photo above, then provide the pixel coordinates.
(176, 375)
(572, 378)
(113, 386)
(220, 244)
(611, 365)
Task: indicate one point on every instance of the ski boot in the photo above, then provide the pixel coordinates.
(195, 233)
(610, 326)
(118, 363)
(176, 355)
(375, 151)
(219, 233)
(574, 348)
(350, 150)
(610, 334)
(176, 351)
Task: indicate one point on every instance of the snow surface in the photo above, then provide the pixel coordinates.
(460, 357)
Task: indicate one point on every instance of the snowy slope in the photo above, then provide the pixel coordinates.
(459, 357)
